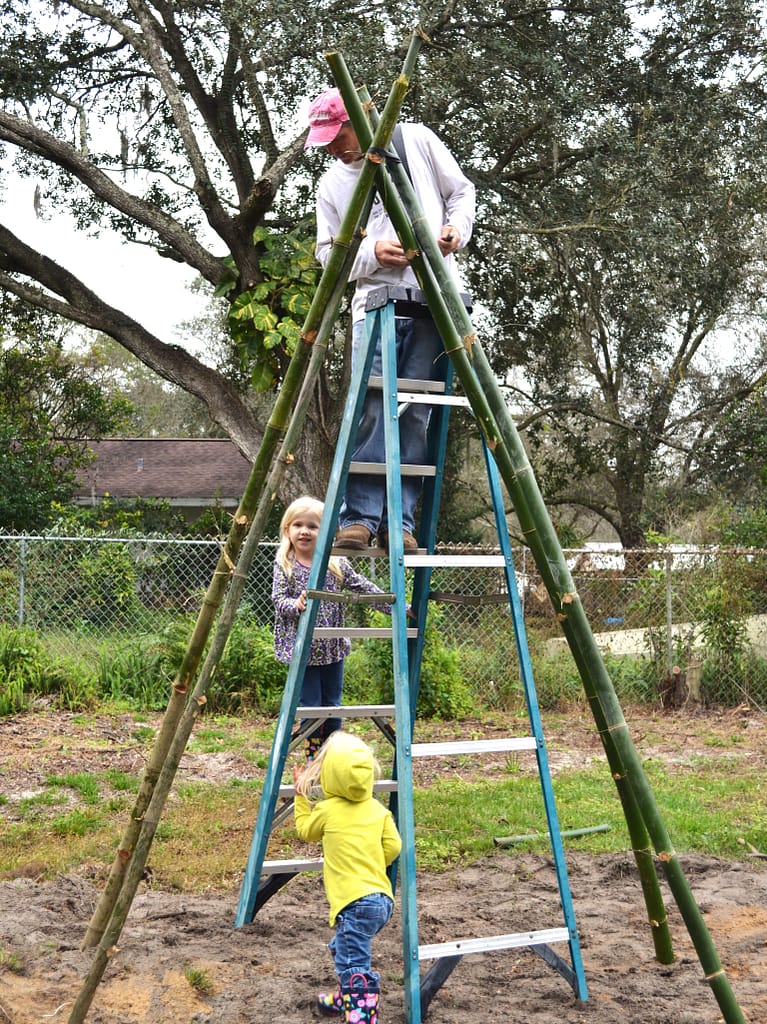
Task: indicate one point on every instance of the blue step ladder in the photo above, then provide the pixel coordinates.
(263, 877)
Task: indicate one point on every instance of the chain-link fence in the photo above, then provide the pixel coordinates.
(692, 622)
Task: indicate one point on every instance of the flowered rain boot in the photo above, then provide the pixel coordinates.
(311, 745)
(360, 1005)
(330, 1004)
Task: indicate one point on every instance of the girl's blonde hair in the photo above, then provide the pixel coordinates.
(308, 783)
(286, 556)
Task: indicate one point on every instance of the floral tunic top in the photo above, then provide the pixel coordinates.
(285, 590)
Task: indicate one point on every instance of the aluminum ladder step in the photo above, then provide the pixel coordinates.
(358, 632)
(348, 711)
(291, 867)
(379, 469)
(463, 947)
(473, 746)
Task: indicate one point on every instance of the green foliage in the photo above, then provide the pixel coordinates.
(110, 516)
(199, 979)
(734, 461)
(249, 677)
(108, 591)
(26, 670)
(49, 406)
(442, 691)
(743, 526)
(721, 614)
(491, 672)
(557, 682)
(138, 672)
(265, 320)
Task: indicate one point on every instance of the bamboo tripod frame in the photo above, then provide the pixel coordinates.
(643, 817)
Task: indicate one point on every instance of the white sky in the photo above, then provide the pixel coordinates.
(114, 270)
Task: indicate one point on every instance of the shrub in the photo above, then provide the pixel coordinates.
(26, 670)
(557, 682)
(249, 676)
(138, 672)
(491, 672)
(369, 674)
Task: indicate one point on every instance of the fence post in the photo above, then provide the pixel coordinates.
(669, 616)
(22, 567)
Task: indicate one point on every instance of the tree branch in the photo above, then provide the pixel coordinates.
(34, 140)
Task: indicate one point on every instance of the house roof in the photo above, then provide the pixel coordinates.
(182, 471)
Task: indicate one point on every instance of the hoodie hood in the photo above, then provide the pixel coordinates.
(348, 768)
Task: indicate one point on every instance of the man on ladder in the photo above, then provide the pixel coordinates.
(447, 198)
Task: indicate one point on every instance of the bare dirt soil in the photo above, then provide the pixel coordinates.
(269, 970)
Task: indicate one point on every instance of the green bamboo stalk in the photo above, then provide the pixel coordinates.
(110, 935)
(517, 474)
(565, 833)
(317, 329)
(448, 311)
(416, 235)
(344, 246)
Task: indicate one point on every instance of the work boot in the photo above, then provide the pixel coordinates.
(330, 1004)
(409, 543)
(357, 537)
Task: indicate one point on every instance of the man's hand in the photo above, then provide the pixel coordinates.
(448, 240)
(390, 254)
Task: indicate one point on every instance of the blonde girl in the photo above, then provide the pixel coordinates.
(322, 684)
(359, 841)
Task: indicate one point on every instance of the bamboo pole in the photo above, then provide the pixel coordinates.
(565, 833)
(333, 280)
(448, 310)
(317, 328)
(112, 928)
(110, 934)
(479, 381)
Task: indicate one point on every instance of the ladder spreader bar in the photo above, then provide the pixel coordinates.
(351, 597)
(463, 947)
(474, 746)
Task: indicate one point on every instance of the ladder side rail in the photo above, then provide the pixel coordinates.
(533, 709)
(430, 503)
(280, 744)
(404, 766)
(291, 696)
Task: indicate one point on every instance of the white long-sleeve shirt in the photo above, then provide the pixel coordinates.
(445, 195)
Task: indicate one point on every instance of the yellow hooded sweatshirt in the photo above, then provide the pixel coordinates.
(359, 837)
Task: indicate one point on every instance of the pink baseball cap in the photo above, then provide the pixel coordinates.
(326, 115)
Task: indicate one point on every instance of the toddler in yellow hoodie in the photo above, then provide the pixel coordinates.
(359, 841)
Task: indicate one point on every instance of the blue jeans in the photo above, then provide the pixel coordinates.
(355, 927)
(322, 688)
(420, 356)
